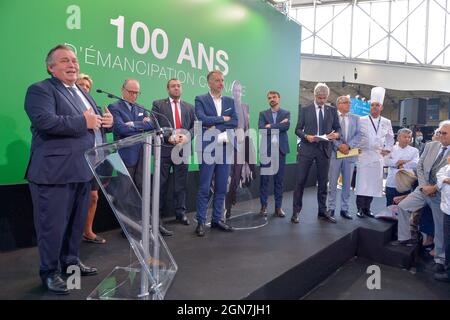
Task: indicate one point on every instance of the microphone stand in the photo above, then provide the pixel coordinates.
(159, 130)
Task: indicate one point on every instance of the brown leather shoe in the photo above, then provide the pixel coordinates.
(279, 212)
(263, 211)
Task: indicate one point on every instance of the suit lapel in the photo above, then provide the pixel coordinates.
(210, 101)
(65, 92)
(314, 115)
(169, 112)
(91, 101)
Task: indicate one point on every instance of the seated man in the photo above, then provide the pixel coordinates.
(433, 158)
(403, 156)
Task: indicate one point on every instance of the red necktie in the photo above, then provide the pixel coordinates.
(177, 115)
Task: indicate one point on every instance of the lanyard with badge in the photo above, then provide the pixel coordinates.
(373, 124)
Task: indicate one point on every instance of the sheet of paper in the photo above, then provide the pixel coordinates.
(352, 152)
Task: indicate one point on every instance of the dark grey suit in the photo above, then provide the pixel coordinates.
(319, 152)
(164, 114)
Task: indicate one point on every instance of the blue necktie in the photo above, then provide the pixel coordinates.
(321, 121)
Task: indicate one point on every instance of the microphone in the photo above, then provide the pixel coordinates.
(159, 130)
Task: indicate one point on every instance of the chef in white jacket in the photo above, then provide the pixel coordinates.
(377, 140)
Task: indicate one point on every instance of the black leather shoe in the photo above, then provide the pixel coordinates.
(404, 243)
(369, 213)
(84, 270)
(438, 268)
(183, 220)
(279, 213)
(295, 218)
(263, 211)
(200, 230)
(360, 214)
(55, 284)
(444, 277)
(165, 232)
(330, 213)
(326, 217)
(346, 215)
(221, 226)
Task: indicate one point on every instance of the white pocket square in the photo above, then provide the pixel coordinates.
(140, 114)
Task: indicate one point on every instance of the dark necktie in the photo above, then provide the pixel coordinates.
(321, 132)
(177, 115)
(80, 103)
(435, 168)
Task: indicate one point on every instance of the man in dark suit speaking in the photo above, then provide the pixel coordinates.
(318, 124)
(217, 114)
(65, 123)
(179, 115)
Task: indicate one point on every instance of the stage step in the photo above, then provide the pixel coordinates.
(370, 244)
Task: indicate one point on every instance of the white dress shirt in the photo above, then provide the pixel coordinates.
(442, 174)
(317, 116)
(217, 104)
(398, 153)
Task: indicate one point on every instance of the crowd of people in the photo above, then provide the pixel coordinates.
(65, 122)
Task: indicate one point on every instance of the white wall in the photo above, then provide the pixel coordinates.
(377, 74)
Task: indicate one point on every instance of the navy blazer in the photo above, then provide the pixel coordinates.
(164, 114)
(206, 112)
(265, 117)
(122, 115)
(59, 134)
(307, 125)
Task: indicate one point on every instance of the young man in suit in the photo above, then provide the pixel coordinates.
(179, 115)
(433, 158)
(349, 139)
(314, 120)
(218, 116)
(277, 119)
(65, 123)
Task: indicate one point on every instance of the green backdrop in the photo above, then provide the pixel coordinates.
(151, 41)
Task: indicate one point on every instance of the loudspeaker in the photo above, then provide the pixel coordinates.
(413, 112)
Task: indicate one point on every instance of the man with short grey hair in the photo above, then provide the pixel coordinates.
(433, 158)
(343, 164)
(317, 126)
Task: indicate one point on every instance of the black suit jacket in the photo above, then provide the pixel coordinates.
(164, 114)
(307, 125)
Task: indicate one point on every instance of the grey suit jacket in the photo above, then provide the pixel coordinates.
(426, 161)
(353, 135)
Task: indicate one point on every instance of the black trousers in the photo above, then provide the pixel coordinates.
(363, 203)
(447, 239)
(304, 162)
(180, 172)
(59, 213)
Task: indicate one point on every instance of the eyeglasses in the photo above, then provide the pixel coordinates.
(137, 93)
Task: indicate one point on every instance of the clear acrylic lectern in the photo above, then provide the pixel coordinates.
(135, 203)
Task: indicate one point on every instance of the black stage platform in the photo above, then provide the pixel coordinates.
(278, 261)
